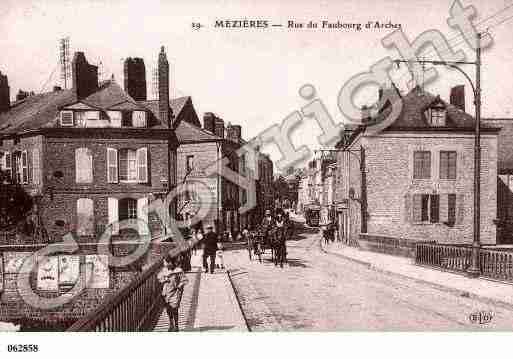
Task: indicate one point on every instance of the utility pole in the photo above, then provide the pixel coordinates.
(474, 269)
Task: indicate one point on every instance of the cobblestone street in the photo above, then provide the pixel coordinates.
(320, 291)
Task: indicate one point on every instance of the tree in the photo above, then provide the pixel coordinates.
(15, 204)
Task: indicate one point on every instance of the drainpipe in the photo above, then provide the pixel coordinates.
(363, 191)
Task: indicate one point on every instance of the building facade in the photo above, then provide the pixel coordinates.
(414, 180)
(90, 156)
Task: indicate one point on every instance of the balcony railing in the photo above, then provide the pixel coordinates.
(134, 307)
(493, 263)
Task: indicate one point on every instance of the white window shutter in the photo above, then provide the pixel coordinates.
(112, 165)
(417, 208)
(142, 215)
(112, 204)
(139, 119)
(142, 165)
(407, 208)
(36, 168)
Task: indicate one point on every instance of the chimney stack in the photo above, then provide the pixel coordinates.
(135, 78)
(209, 122)
(5, 96)
(233, 132)
(457, 97)
(219, 127)
(85, 76)
(163, 74)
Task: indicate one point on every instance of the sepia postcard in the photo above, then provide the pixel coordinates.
(243, 166)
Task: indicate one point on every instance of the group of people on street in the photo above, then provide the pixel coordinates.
(273, 231)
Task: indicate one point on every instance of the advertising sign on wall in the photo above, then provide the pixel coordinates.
(48, 274)
(69, 269)
(13, 261)
(97, 271)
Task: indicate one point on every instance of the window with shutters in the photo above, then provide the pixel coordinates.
(83, 165)
(127, 209)
(7, 167)
(139, 119)
(67, 118)
(426, 208)
(85, 217)
(448, 164)
(133, 165)
(127, 165)
(422, 165)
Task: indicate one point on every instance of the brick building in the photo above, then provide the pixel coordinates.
(414, 180)
(91, 155)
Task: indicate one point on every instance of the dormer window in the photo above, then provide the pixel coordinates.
(436, 116)
(66, 118)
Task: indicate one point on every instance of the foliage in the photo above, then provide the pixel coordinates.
(15, 203)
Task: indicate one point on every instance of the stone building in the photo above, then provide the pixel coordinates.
(414, 179)
(91, 155)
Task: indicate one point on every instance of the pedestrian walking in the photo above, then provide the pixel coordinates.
(173, 281)
(210, 249)
(219, 256)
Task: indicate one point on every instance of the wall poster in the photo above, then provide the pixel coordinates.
(69, 270)
(48, 274)
(97, 271)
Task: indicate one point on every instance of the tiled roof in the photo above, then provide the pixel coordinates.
(187, 132)
(176, 104)
(35, 111)
(39, 111)
(110, 95)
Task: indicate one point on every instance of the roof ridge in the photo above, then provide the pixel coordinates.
(201, 129)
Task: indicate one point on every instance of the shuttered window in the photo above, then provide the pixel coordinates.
(451, 208)
(426, 208)
(127, 209)
(421, 164)
(85, 217)
(7, 166)
(23, 168)
(448, 164)
(83, 165)
(142, 215)
(66, 118)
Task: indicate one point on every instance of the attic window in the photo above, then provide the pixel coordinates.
(436, 116)
(66, 118)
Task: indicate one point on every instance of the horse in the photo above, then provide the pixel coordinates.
(279, 236)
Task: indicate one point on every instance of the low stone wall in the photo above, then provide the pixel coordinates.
(389, 245)
(14, 309)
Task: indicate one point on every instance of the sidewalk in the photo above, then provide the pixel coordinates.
(208, 303)
(502, 293)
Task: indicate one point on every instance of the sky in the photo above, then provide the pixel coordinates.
(249, 77)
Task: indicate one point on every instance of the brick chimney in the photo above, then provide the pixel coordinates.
(233, 132)
(85, 76)
(219, 127)
(135, 78)
(163, 73)
(209, 122)
(457, 97)
(5, 96)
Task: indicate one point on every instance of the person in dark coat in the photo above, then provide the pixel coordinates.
(210, 249)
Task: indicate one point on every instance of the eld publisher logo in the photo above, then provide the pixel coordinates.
(482, 317)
